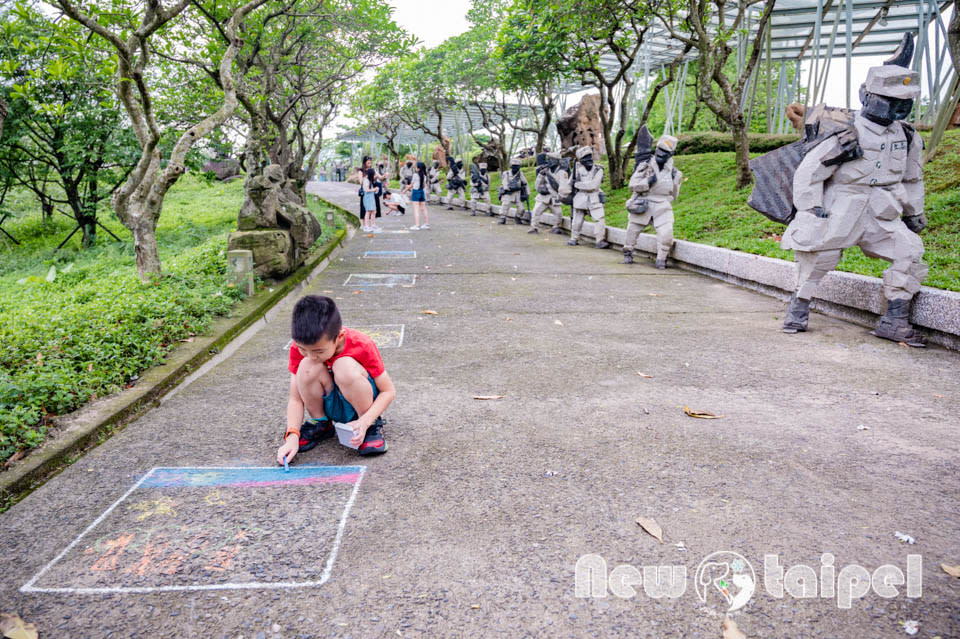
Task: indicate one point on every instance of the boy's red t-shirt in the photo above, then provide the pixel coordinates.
(356, 345)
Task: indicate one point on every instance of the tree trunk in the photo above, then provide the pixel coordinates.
(742, 147)
(144, 231)
(953, 36)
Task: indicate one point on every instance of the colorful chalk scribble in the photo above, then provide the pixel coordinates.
(252, 477)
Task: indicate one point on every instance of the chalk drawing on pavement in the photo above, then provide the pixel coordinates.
(216, 528)
(361, 280)
(386, 255)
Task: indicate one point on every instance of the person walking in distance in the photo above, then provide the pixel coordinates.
(418, 198)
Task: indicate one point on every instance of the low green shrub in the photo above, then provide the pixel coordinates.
(715, 142)
(93, 329)
(95, 326)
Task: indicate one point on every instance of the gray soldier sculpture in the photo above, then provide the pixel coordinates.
(433, 179)
(513, 188)
(862, 185)
(551, 178)
(655, 185)
(588, 198)
(455, 181)
(406, 173)
(481, 186)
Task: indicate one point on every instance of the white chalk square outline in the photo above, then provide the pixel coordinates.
(248, 585)
(412, 281)
(395, 255)
(362, 329)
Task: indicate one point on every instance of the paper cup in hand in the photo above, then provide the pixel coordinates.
(345, 434)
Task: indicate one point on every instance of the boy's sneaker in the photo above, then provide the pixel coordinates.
(414, 228)
(314, 431)
(425, 226)
(373, 443)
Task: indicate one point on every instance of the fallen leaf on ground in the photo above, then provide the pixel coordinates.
(953, 571)
(654, 294)
(189, 339)
(488, 396)
(700, 414)
(13, 627)
(911, 626)
(558, 322)
(475, 606)
(652, 528)
(14, 457)
(644, 375)
(730, 630)
(507, 320)
(328, 291)
(357, 292)
(369, 234)
(429, 312)
(863, 427)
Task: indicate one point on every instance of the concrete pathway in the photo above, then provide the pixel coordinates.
(474, 521)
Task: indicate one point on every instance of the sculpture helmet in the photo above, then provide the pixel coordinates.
(667, 143)
(584, 151)
(894, 79)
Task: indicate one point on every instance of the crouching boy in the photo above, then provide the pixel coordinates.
(337, 374)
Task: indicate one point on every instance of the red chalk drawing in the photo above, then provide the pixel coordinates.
(115, 548)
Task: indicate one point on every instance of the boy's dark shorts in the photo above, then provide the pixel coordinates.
(338, 409)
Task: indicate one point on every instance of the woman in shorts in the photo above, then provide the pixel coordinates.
(418, 199)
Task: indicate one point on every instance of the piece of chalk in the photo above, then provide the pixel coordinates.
(286, 465)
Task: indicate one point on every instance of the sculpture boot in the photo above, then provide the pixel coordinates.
(572, 242)
(602, 244)
(557, 230)
(798, 312)
(627, 256)
(519, 219)
(661, 263)
(533, 230)
(503, 219)
(895, 325)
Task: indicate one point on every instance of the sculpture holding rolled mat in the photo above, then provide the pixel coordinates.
(433, 178)
(587, 198)
(456, 182)
(655, 184)
(551, 178)
(481, 186)
(857, 180)
(513, 190)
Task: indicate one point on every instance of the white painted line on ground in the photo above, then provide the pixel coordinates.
(388, 255)
(381, 279)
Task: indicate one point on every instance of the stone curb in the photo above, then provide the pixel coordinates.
(92, 424)
(849, 296)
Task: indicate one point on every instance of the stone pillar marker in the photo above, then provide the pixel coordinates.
(240, 269)
(330, 219)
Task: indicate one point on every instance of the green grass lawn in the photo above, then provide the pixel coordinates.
(78, 324)
(710, 210)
